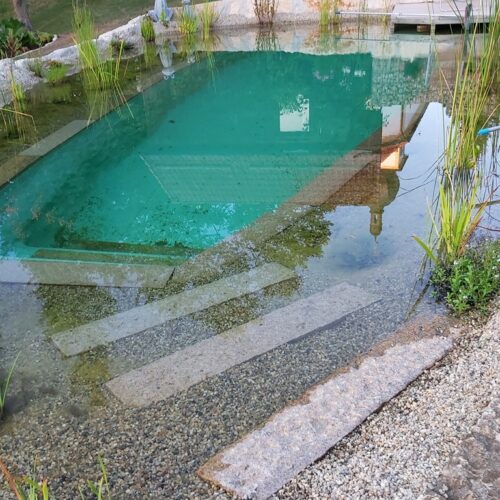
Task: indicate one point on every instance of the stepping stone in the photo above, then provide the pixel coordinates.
(84, 273)
(121, 325)
(264, 460)
(182, 369)
(55, 139)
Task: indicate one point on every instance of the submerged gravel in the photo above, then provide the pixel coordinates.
(401, 451)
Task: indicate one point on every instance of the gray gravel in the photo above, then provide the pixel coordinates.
(401, 451)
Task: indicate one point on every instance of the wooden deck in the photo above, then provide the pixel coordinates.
(439, 13)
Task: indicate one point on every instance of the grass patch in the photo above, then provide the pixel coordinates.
(36, 67)
(56, 73)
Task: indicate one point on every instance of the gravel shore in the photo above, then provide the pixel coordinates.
(401, 451)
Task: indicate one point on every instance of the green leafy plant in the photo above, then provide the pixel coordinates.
(208, 17)
(15, 38)
(188, 21)
(4, 386)
(265, 10)
(56, 72)
(147, 29)
(471, 281)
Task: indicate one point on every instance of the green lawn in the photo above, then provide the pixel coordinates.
(54, 16)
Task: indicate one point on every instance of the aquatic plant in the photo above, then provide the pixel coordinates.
(188, 21)
(4, 386)
(56, 72)
(147, 29)
(208, 17)
(265, 10)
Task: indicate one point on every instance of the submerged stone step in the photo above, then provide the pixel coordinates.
(55, 139)
(45, 272)
(212, 356)
(121, 325)
(91, 256)
(264, 460)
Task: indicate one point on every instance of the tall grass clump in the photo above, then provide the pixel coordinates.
(324, 13)
(208, 17)
(98, 73)
(265, 10)
(147, 29)
(463, 186)
(16, 121)
(188, 21)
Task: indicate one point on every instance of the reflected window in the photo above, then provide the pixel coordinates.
(294, 116)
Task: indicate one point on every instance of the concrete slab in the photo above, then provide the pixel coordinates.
(264, 460)
(121, 325)
(55, 139)
(212, 356)
(84, 273)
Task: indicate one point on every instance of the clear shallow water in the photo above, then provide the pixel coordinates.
(183, 169)
(361, 233)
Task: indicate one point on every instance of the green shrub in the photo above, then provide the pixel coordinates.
(147, 29)
(15, 38)
(472, 280)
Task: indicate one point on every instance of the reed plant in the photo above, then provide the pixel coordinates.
(147, 29)
(208, 17)
(98, 73)
(265, 10)
(324, 13)
(4, 386)
(464, 189)
(188, 21)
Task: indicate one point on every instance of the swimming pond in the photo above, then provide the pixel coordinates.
(345, 199)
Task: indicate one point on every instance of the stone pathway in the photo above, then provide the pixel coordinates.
(136, 320)
(264, 460)
(189, 366)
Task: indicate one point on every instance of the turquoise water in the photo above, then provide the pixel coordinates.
(193, 159)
